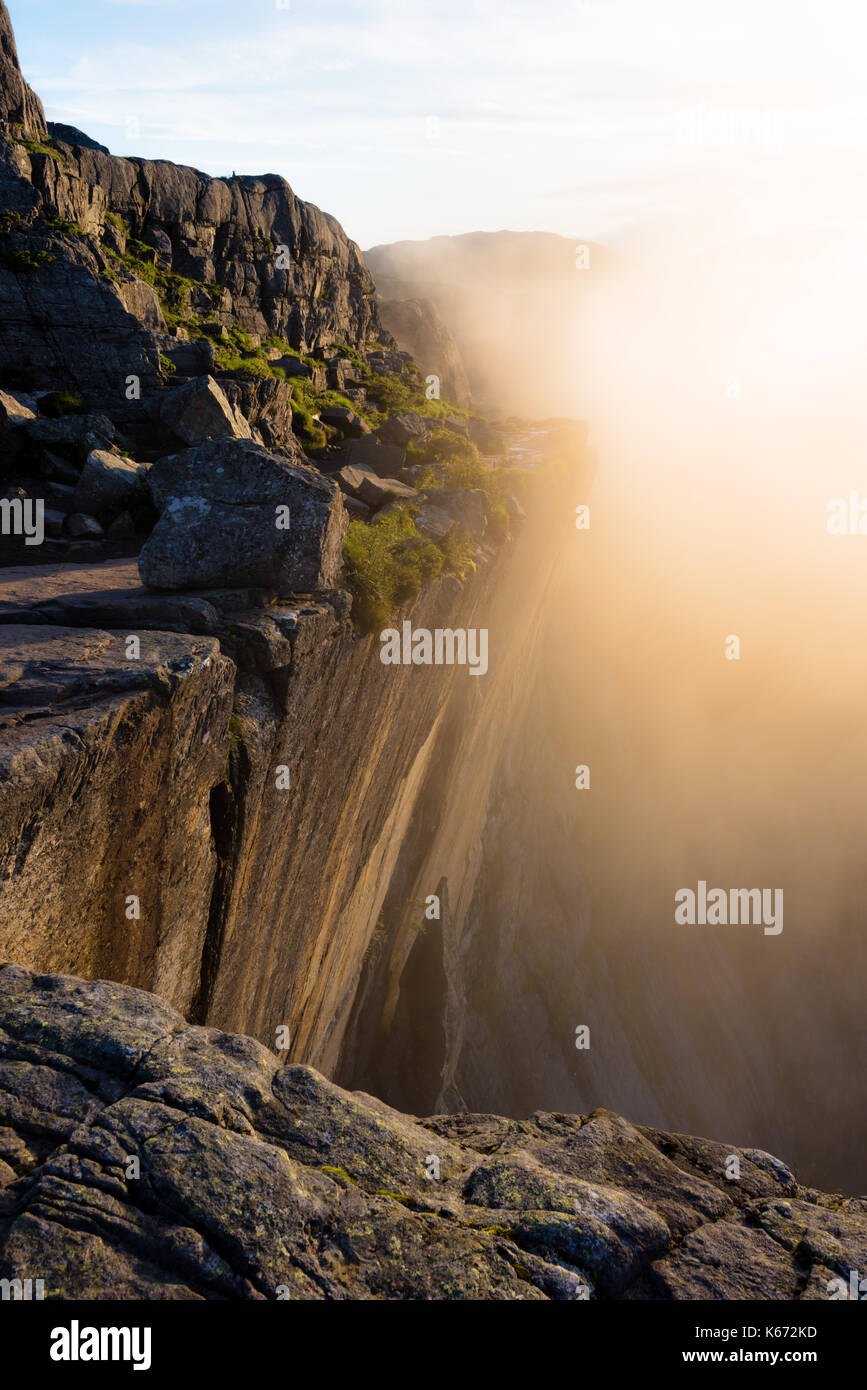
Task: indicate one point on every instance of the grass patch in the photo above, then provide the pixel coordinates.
(36, 147)
(174, 292)
(451, 461)
(25, 262)
(386, 563)
(60, 224)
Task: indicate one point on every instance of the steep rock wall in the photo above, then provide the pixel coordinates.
(254, 786)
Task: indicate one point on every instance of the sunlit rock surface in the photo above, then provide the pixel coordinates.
(144, 1158)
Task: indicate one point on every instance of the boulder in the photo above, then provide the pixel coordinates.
(371, 453)
(53, 520)
(13, 412)
(402, 430)
(349, 424)
(357, 510)
(266, 404)
(220, 505)
(467, 506)
(199, 410)
(58, 469)
(83, 527)
(109, 480)
(190, 357)
(77, 434)
(349, 479)
(122, 528)
(434, 522)
(377, 491)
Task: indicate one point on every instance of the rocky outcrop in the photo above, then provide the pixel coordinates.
(138, 1153)
(234, 514)
(19, 106)
(95, 250)
(96, 743)
(420, 330)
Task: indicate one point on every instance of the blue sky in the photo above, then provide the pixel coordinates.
(642, 123)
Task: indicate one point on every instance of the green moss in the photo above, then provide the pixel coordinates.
(395, 1196)
(392, 394)
(69, 403)
(60, 224)
(25, 262)
(167, 366)
(36, 147)
(386, 563)
(338, 1172)
(173, 291)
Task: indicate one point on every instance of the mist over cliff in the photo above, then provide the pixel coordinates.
(722, 443)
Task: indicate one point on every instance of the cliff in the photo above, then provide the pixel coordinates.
(258, 904)
(285, 853)
(110, 266)
(422, 332)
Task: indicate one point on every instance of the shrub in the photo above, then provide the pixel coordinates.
(457, 550)
(386, 563)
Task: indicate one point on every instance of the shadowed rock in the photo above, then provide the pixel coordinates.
(223, 522)
(255, 1181)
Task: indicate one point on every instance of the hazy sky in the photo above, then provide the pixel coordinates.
(661, 123)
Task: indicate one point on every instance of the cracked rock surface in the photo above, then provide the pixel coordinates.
(141, 1157)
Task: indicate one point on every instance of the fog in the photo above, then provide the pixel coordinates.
(725, 404)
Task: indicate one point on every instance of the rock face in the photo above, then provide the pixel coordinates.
(199, 410)
(260, 1181)
(234, 514)
(283, 886)
(421, 331)
(135, 906)
(241, 252)
(18, 105)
